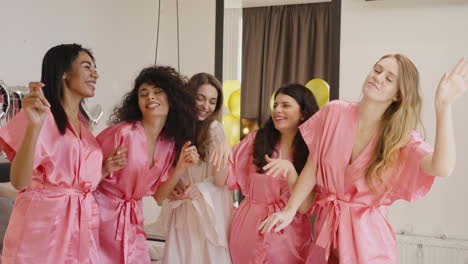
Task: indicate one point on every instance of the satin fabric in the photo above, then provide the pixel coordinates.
(264, 195)
(121, 235)
(55, 219)
(352, 219)
(197, 230)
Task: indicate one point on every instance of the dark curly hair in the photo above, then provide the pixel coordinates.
(180, 123)
(268, 135)
(202, 136)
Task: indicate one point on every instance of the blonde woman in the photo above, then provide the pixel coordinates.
(365, 155)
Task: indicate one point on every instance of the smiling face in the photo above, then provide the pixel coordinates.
(206, 100)
(152, 101)
(81, 79)
(286, 113)
(381, 84)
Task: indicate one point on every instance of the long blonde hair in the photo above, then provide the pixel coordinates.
(402, 116)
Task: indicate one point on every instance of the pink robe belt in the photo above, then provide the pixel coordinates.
(127, 215)
(328, 232)
(88, 210)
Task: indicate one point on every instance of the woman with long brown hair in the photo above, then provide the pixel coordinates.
(198, 214)
(256, 161)
(365, 155)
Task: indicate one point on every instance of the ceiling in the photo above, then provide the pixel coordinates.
(389, 3)
(255, 3)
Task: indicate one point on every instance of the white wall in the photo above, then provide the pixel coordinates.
(122, 35)
(196, 35)
(434, 34)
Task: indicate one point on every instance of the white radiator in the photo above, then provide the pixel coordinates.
(414, 249)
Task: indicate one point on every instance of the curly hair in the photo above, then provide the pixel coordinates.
(267, 137)
(202, 136)
(180, 122)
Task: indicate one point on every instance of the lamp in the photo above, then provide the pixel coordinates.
(248, 125)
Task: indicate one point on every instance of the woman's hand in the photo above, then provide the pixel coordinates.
(452, 85)
(278, 167)
(190, 191)
(176, 194)
(188, 156)
(283, 219)
(221, 156)
(35, 105)
(115, 161)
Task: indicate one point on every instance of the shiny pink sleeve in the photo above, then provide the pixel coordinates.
(412, 183)
(239, 168)
(11, 137)
(109, 139)
(312, 130)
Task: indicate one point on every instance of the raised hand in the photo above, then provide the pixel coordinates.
(452, 85)
(115, 161)
(35, 104)
(277, 167)
(221, 155)
(281, 220)
(188, 156)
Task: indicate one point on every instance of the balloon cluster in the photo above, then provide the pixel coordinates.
(232, 100)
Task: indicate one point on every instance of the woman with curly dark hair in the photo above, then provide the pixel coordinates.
(254, 170)
(155, 122)
(197, 219)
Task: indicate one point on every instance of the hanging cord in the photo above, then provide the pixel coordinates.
(178, 42)
(157, 34)
(178, 35)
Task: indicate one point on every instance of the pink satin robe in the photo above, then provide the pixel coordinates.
(55, 219)
(264, 195)
(121, 235)
(349, 215)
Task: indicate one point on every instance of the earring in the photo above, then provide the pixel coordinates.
(64, 77)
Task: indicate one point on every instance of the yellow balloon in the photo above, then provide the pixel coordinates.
(321, 91)
(231, 125)
(228, 88)
(235, 103)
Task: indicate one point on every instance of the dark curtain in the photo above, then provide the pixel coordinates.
(281, 45)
